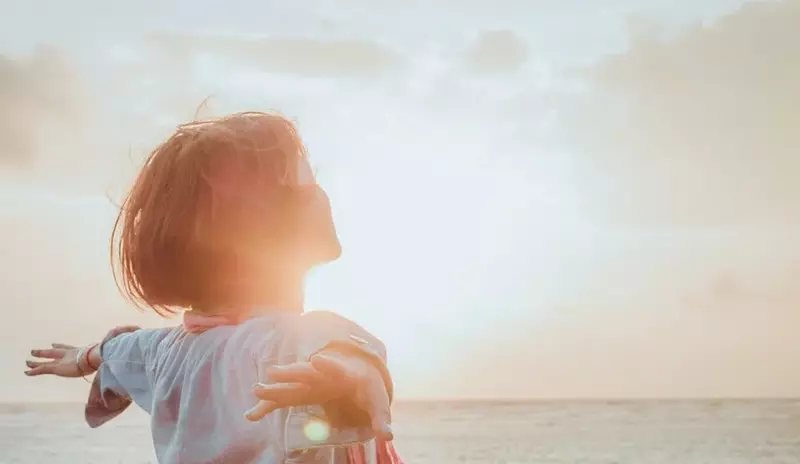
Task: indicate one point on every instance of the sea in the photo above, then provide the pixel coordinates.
(551, 432)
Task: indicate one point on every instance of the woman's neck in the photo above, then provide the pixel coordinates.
(284, 292)
(262, 295)
(287, 299)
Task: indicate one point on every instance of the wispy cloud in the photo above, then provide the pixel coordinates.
(496, 52)
(288, 55)
(36, 91)
(700, 129)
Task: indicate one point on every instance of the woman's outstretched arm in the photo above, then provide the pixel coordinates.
(341, 367)
(64, 360)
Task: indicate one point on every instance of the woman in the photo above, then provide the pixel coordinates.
(222, 225)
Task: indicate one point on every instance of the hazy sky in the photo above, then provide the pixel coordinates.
(536, 198)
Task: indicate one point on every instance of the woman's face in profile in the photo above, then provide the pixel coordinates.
(319, 235)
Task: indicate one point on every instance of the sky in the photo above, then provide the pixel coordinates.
(536, 199)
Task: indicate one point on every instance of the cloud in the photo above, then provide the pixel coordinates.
(701, 129)
(496, 52)
(768, 289)
(298, 56)
(35, 91)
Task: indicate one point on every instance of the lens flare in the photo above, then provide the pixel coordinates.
(317, 430)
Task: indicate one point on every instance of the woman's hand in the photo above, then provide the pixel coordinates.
(62, 360)
(71, 361)
(327, 377)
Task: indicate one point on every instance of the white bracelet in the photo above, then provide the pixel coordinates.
(79, 359)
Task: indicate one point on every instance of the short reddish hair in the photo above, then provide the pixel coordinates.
(207, 203)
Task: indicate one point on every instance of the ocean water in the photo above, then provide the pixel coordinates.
(646, 432)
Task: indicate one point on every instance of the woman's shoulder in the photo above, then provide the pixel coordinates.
(322, 329)
(312, 331)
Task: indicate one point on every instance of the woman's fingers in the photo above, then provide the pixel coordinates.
(260, 410)
(53, 353)
(325, 378)
(302, 372)
(46, 368)
(288, 394)
(378, 407)
(39, 367)
(34, 364)
(335, 368)
(371, 395)
(63, 346)
(368, 383)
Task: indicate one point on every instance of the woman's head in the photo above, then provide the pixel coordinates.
(219, 207)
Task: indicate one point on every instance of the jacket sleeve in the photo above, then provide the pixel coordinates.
(124, 375)
(324, 330)
(319, 331)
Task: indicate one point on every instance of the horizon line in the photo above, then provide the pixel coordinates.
(515, 400)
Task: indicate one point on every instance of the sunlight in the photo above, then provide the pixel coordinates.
(317, 430)
(435, 253)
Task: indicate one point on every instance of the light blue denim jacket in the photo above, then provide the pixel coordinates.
(197, 387)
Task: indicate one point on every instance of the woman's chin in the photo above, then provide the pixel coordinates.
(332, 252)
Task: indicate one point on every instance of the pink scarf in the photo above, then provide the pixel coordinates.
(196, 323)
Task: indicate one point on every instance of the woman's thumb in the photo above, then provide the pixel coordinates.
(377, 404)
